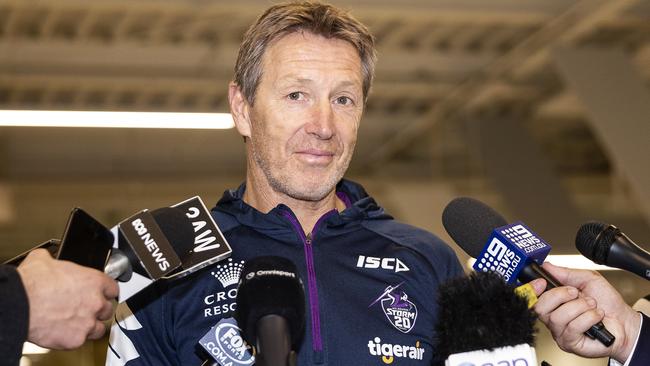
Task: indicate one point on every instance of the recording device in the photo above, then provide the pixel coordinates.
(271, 309)
(85, 241)
(482, 321)
(606, 244)
(512, 251)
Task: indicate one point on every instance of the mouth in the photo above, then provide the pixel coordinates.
(315, 156)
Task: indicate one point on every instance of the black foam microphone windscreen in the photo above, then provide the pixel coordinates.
(470, 223)
(481, 312)
(270, 285)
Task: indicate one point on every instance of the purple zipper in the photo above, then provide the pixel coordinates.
(311, 276)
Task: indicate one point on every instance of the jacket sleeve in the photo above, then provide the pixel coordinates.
(14, 315)
(139, 335)
(641, 355)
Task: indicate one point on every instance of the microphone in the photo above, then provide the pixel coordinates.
(166, 243)
(512, 251)
(606, 244)
(135, 252)
(271, 309)
(482, 320)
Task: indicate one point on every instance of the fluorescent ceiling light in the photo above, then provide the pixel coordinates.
(32, 349)
(570, 261)
(19, 118)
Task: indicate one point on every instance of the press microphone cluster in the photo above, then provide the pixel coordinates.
(513, 251)
(481, 320)
(168, 242)
(270, 317)
(606, 244)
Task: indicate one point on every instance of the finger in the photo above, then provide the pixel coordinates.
(106, 311)
(539, 285)
(560, 318)
(582, 323)
(550, 300)
(110, 288)
(97, 331)
(571, 277)
(39, 253)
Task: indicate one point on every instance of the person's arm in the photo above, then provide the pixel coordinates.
(67, 302)
(14, 315)
(586, 299)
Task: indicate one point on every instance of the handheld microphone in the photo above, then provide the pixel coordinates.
(167, 243)
(481, 318)
(196, 241)
(606, 244)
(512, 251)
(271, 309)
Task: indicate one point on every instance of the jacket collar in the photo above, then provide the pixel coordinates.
(360, 206)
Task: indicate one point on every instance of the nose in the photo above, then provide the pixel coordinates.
(321, 121)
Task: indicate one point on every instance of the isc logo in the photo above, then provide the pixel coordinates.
(391, 264)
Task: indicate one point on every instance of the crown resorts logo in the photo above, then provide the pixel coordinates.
(229, 273)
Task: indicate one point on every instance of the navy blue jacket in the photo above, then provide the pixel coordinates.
(641, 355)
(370, 287)
(14, 315)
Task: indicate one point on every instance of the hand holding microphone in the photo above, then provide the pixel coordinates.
(67, 302)
(513, 251)
(567, 314)
(573, 303)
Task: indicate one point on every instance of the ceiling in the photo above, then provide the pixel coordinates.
(442, 66)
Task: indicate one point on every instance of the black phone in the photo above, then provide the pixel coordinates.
(51, 246)
(85, 241)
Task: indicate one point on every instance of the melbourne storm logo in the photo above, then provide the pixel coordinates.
(400, 311)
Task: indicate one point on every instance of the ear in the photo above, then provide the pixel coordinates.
(239, 109)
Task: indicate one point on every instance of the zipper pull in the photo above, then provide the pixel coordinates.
(308, 239)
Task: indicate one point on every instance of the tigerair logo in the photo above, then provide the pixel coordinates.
(228, 274)
(389, 352)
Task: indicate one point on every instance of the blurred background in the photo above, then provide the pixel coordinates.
(540, 108)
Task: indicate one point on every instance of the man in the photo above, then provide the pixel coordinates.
(302, 78)
(55, 304)
(586, 299)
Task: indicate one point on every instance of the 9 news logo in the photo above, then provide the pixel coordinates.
(498, 258)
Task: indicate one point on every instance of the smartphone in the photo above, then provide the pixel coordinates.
(51, 246)
(85, 241)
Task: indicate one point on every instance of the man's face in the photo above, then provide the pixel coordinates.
(306, 113)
